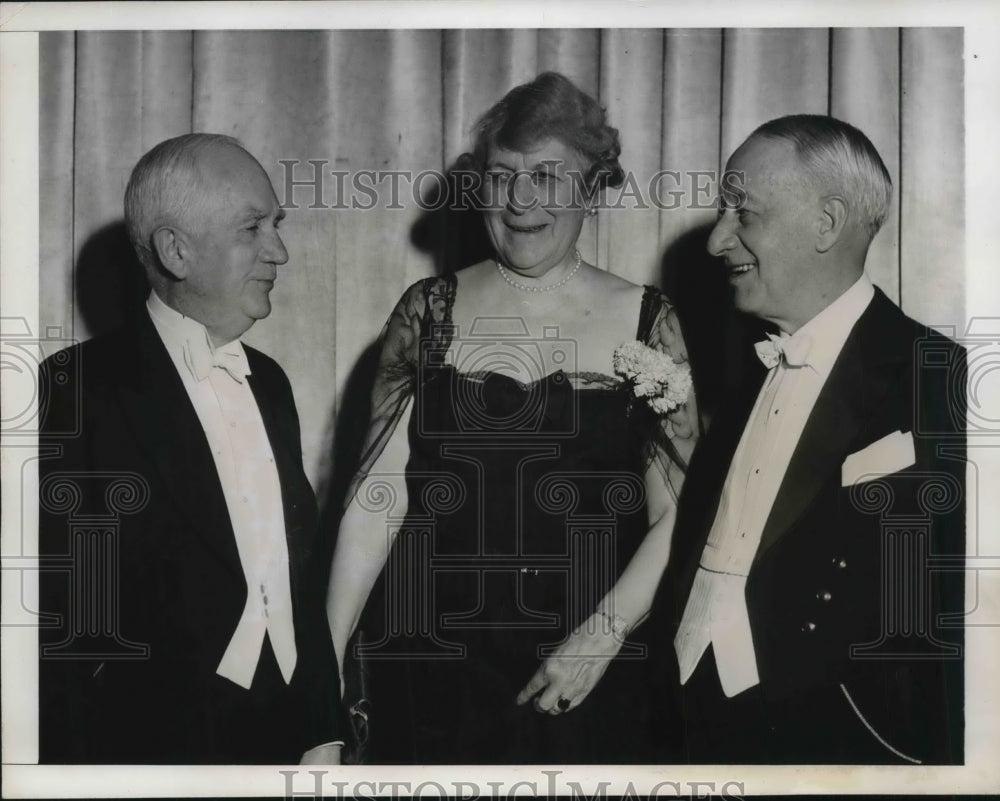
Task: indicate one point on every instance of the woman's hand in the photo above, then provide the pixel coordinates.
(566, 678)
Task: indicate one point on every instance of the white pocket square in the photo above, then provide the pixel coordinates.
(891, 453)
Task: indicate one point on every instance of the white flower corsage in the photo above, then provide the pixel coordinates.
(654, 376)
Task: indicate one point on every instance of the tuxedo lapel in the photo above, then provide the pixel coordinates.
(853, 391)
(285, 462)
(709, 467)
(158, 410)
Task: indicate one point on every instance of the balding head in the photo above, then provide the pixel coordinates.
(168, 187)
(840, 160)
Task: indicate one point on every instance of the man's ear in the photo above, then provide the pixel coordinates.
(173, 250)
(833, 221)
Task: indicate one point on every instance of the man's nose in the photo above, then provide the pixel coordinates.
(722, 237)
(275, 252)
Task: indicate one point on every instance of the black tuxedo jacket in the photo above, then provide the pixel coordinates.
(141, 583)
(849, 585)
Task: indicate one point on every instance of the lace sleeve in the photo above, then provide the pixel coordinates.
(674, 435)
(424, 303)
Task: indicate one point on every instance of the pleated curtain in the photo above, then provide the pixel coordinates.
(406, 100)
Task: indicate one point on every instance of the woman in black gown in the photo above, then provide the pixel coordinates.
(514, 509)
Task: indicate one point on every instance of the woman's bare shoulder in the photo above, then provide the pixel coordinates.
(481, 271)
(614, 288)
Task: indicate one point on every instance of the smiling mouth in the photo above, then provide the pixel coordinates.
(740, 269)
(525, 229)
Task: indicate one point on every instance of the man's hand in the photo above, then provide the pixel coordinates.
(322, 755)
(566, 678)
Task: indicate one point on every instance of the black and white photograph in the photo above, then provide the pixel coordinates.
(437, 399)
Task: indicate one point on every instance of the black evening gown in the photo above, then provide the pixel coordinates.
(525, 503)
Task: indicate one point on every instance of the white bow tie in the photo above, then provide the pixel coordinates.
(795, 349)
(231, 358)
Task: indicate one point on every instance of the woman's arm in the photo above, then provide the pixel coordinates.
(631, 598)
(379, 487)
(574, 670)
(364, 539)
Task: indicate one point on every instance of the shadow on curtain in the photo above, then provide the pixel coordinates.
(111, 287)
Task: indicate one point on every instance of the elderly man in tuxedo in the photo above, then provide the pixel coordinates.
(820, 539)
(189, 626)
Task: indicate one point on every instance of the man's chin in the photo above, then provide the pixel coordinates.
(249, 316)
(259, 307)
(745, 300)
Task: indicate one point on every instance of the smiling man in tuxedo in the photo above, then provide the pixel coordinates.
(216, 648)
(807, 619)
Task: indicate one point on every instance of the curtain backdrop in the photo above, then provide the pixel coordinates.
(406, 100)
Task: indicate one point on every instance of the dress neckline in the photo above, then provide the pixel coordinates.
(439, 294)
(575, 379)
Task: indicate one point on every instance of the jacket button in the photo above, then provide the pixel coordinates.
(826, 595)
(841, 563)
(809, 626)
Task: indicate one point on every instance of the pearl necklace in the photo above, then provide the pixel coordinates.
(525, 288)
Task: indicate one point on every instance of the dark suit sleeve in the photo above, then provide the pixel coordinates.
(65, 696)
(926, 681)
(84, 589)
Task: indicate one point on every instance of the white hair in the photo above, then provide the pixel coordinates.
(166, 188)
(838, 155)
